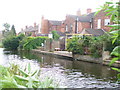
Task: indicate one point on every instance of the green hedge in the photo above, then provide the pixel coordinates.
(33, 42)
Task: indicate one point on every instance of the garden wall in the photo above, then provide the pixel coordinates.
(105, 59)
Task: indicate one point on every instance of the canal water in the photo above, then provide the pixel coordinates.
(67, 73)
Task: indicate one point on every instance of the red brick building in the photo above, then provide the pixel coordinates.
(49, 25)
(77, 23)
(101, 21)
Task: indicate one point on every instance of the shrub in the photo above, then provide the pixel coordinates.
(75, 46)
(13, 42)
(33, 42)
(25, 78)
(56, 36)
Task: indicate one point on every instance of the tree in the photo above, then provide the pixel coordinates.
(113, 10)
(56, 36)
(7, 26)
(13, 31)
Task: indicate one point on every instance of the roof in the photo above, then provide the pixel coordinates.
(39, 34)
(83, 18)
(60, 33)
(55, 22)
(30, 29)
(96, 32)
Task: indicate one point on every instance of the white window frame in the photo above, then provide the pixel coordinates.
(99, 24)
(107, 22)
(66, 28)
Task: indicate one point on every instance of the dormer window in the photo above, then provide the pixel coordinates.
(107, 22)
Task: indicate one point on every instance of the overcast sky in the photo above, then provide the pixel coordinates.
(26, 12)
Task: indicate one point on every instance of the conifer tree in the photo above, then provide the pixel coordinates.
(13, 30)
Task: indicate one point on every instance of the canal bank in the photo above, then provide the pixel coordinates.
(69, 74)
(86, 58)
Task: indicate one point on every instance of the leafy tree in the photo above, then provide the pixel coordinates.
(113, 10)
(56, 36)
(13, 31)
(13, 42)
(7, 26)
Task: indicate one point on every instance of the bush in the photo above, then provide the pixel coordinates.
(33, 42)
(13, 42)
(74, 46)
(96, 48)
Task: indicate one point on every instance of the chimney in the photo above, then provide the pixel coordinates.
(42, 17)
(89, 10)
(79, 12)
(35, 24)
(21, 29)
(26, 27)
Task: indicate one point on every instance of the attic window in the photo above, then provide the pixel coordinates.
(107, 22)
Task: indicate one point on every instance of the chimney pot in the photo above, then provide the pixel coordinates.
(79, 12)
(89, 10)
(34, 24)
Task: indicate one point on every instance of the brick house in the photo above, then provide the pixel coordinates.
(49, 25)
(77, 23)
(101, 21)
(31, 30)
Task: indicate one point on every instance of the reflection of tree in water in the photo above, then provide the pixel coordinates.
(95, 70)
(87, 69)
(7, 52)
(29, 55)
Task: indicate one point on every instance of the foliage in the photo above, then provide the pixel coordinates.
(33, 42)
(8, 33)
(23, 79)
(56, 36)
(113, 11)
(7, 26)
(13, 31)
(86, 45)
(96, 47)
(74, 46)
(13, 42)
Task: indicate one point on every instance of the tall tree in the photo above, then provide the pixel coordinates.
(13, 31)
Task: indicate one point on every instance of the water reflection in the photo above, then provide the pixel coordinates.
(72, 74)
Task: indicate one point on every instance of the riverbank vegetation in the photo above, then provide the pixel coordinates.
(23, 42)
(15, 77)
(96, 45)
(91, 45)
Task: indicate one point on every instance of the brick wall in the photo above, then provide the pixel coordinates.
(47, 27)
(69, 21)
(101, 15)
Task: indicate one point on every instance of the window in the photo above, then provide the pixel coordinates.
(66, 28)
(99, 24)
(107, 22)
